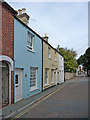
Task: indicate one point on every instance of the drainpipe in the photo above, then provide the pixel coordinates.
(13, 81)
(42, 64)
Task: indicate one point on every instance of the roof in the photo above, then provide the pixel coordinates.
(15, 13)
(37, 34)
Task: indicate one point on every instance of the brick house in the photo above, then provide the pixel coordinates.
(6, 51)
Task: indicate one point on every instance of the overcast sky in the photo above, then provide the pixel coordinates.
(66, 23)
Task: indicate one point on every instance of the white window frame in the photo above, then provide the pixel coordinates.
(46, 77)
(55, 57)
(32, 88)
(30, 40)
(52, 76)
(49, 52)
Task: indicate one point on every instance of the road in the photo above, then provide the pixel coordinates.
(70, 101)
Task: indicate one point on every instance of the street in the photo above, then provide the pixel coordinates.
(70, 101)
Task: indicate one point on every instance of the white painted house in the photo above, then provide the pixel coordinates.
(61, 69)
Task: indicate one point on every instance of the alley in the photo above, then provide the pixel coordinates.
(70, 101)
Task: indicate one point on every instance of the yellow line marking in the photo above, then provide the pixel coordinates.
(22, 113)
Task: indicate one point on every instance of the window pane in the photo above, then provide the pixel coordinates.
(30, 41)
(16, 79)
(46, 76)
(33, 77)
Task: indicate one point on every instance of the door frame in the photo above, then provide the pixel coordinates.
(56, 76)
(5, 68)
(21, 70)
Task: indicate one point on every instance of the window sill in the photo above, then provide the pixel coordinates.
(33, 89)
(46, 85)
(30, 50)
(49, 58)
(52, 82)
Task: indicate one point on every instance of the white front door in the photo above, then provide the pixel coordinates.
(61, 76)
(18, 84)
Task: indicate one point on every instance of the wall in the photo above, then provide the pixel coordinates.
(61, 69)
(89, 24)
(26, 59)
(7, 33)
(0, 28)
(7, 39)
(69, 75)
(50, 63)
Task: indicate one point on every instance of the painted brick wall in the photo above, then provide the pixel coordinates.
(7, 33)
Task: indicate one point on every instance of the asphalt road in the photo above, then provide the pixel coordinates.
(70, 101)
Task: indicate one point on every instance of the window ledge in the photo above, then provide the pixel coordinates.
(46, 85)
(52, 82)
(49, 58)
(30, 50)
(55, 60)
(33, 89)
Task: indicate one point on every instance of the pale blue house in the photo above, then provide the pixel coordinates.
(28, 59)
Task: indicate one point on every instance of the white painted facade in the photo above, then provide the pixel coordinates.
(61, 69)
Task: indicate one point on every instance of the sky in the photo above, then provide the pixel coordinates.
(65, 23)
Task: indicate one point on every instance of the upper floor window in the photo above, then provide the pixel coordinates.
(30, 41)
(49, 53)
(55, 57)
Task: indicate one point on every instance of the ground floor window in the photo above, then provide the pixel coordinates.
(46, 77)
(33, 77)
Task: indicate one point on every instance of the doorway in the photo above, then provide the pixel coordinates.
(5, 82)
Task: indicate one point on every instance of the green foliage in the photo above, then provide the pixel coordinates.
(84, 60)
(70, 63)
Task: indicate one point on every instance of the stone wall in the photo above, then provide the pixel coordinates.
(69, 75)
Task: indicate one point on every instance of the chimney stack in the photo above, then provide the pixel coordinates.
(46, 38)
(58, 48)
(23, 16)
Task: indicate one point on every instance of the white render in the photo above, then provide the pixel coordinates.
(61, 69)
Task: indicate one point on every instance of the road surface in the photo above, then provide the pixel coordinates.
(70, 101)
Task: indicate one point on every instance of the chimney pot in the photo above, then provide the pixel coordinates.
(46, 37)
(20, 11)
(58, 48)
(23, 10)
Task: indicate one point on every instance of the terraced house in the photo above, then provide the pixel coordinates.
(53, 68)
(28, 58)
(28, 63)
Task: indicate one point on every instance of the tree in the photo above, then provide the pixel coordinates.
(70, 63)
(84, 60)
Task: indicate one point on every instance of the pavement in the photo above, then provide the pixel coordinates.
(67, 100)
(17, 107)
